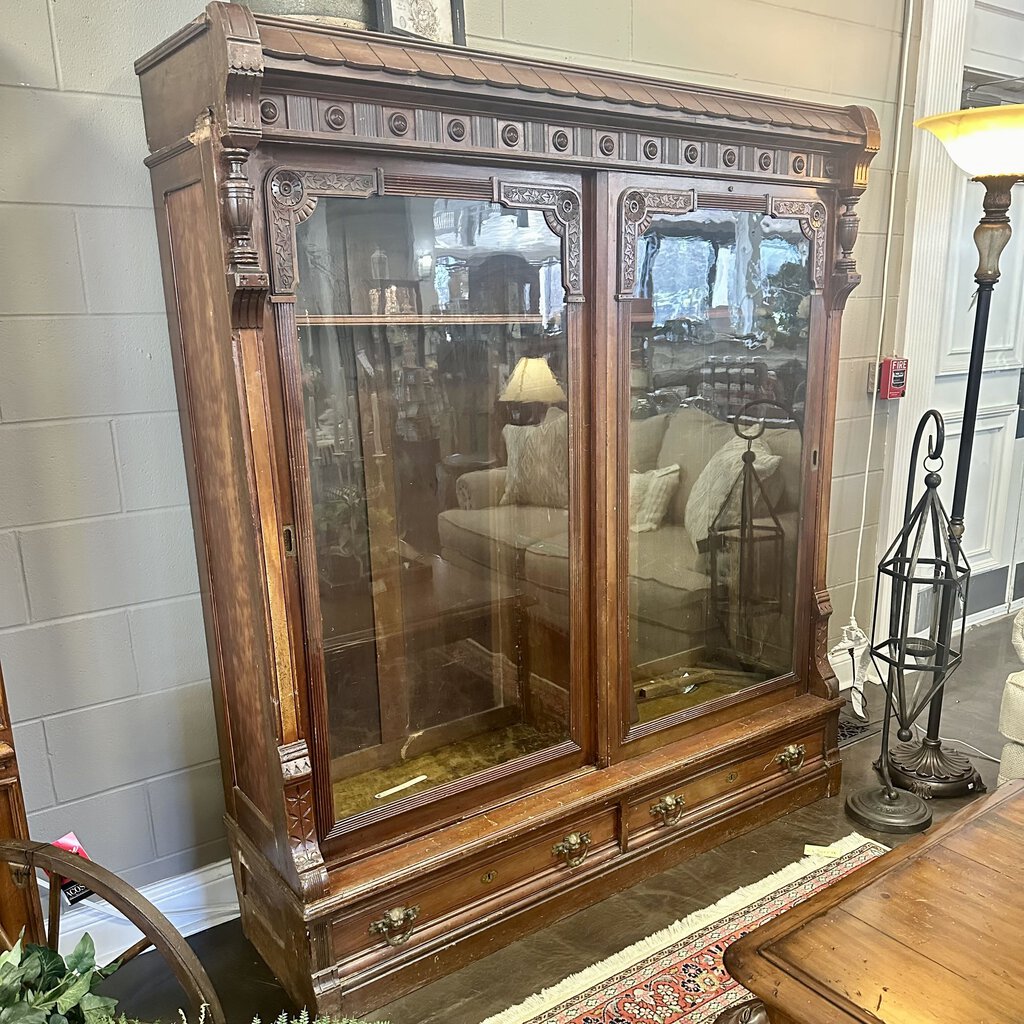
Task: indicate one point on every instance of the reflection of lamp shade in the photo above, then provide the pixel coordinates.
(533, 381)
(983, 141)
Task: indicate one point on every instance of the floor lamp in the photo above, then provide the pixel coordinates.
(987, 143)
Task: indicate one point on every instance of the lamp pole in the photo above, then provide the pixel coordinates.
(925, 766)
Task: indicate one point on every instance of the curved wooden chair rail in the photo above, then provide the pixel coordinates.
(157, 931)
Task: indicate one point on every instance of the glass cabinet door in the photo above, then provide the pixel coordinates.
(434, 356)
(719, 313)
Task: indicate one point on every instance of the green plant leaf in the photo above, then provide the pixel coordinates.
(57, 1018)
(83, 957)
(97, 1008)
(32, 968)
(12, 956)
(10, 985)
(22, 1013)
(53, 968)
(73, 995)
(106, 972)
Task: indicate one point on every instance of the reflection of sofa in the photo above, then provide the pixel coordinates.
(669, 582)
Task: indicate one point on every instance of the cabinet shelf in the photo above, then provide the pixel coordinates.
(415, 319)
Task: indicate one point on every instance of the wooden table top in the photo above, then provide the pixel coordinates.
(931, 933)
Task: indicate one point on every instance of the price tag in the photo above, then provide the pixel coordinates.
(74, 892)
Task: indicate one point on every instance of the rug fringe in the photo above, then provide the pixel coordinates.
(575, 984)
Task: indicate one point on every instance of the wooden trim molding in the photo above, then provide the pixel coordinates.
(812, 217)
(19, 894)
(292, 198)
(638, 207)
(563, 213)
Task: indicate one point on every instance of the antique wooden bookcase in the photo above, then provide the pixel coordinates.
(456, 337)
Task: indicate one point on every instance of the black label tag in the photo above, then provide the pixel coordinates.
(74, 892)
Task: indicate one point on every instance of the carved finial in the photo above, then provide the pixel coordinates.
(237, 195)
(846, 232)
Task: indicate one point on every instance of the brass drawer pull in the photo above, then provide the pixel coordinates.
(396, 925)
(573, 849)
(669, 808)
(792, 758)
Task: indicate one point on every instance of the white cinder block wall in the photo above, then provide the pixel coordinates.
(100, 627)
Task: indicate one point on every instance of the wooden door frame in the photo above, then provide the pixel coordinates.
(804, 202)
(302, 176)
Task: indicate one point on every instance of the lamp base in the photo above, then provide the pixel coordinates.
(888, 810)
(932, 771)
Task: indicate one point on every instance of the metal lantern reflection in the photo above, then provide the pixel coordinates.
(746, 547)
(926, 576)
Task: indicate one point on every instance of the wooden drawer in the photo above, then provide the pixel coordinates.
(412, 914)
(673, 804)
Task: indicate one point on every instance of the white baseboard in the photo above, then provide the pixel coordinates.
(193, 902)
(990, 615)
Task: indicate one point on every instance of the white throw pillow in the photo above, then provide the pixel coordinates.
(716, 481)
(649, 497)
(538, 462)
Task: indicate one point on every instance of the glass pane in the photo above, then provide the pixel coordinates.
(433, 345)
(718, 377)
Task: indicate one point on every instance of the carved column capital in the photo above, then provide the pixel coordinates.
(300, 818)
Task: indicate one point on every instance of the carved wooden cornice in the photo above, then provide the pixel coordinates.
(371, 57)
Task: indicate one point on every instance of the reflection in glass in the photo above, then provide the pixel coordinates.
(718, 376)
(434, 361)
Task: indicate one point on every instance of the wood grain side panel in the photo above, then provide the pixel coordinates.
(222, 503)
(19, 904)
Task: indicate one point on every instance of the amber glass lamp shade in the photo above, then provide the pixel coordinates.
(533, 381)
(986, 142)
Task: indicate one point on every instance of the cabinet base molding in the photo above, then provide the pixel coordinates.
(467, 901)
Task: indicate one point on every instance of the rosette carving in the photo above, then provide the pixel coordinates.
(291, 198)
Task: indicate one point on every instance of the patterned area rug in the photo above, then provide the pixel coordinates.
(676, 976)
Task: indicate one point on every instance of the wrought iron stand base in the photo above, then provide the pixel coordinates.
(931, 770)
(885, 811)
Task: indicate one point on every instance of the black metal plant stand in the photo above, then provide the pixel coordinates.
(928, 576)
(926, 766)
(746, 550)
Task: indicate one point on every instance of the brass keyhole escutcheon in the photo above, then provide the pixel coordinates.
(573, 849)
(792, 757)
(396, 925)
(669, 808)
(488, 876)
(731, 777)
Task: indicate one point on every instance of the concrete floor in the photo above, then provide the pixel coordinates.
(510, 975)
